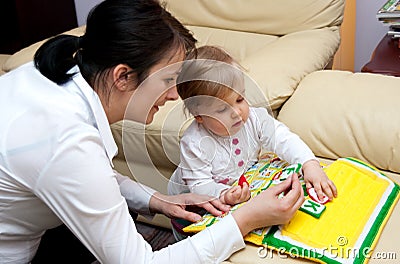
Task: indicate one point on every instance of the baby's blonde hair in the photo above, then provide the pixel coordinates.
(208, 71)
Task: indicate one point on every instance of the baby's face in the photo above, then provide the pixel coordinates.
(224, 117)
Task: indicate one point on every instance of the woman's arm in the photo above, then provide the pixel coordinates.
(268, 208)
(174, 206)
(136, 195)
(217, 242)
(87, 198)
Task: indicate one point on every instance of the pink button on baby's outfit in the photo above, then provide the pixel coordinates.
(235, 141)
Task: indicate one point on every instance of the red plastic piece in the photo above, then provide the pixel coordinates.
(242, 180)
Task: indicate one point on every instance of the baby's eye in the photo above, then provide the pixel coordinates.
(240, 99)
(222, 109)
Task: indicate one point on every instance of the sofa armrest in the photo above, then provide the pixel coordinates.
(341, 114)
(3, 59)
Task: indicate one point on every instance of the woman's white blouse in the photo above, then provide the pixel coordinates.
(56, 151)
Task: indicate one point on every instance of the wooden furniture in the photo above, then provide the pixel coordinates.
(385, 59)
(27, 21)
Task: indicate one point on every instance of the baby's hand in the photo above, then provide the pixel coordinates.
(316, 178)
(235, 195)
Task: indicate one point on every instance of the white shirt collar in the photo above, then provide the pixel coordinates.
(100, 116)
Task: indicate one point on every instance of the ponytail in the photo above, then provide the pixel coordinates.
(138, 33)
(56, 56)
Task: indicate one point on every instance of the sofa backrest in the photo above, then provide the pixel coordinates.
(25, 55)
(277, 42)
(267, 17)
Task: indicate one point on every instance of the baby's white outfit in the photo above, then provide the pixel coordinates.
(211, 163)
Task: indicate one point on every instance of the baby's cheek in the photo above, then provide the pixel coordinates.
(221, 129)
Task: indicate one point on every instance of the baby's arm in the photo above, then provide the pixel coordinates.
(276, 137)
(316, 178)
(227, 194)
(205, 185)
(236, 194)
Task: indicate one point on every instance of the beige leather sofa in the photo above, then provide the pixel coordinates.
(285, 47)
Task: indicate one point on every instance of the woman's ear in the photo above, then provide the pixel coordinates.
(120, 76)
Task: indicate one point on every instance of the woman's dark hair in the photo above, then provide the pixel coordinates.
(138, 33)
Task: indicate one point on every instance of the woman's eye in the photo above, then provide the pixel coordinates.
(240, 99)
(169, 80)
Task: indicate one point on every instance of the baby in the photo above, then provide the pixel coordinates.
(228, 135)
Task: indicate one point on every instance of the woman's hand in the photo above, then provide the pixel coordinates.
(236, 194)
(316, 178)
(268, 208)
(174, 206)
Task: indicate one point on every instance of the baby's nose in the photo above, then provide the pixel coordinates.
(235, 112)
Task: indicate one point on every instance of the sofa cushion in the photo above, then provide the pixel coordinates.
(276, 64)
(341, 114)
(157, 144)
(25, 55)
(259, 16)
(277, 42)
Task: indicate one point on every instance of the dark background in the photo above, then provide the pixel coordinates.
(24, 22)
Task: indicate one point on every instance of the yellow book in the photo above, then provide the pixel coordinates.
(344, 230)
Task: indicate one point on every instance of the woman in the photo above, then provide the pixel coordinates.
(56, 146)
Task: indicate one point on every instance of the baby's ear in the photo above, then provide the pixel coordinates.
(199, 119)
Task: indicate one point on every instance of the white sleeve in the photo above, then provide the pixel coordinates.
(136, 195)
(195, 168)
(212, 245)
(276, 137)
(81, 188)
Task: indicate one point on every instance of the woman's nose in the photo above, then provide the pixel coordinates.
(172, 94)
